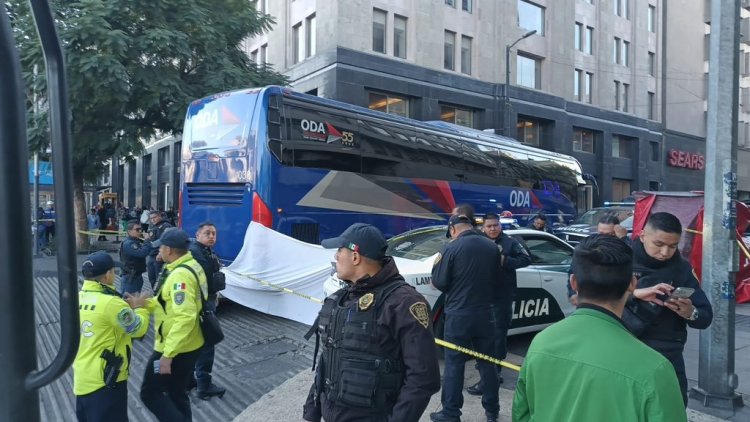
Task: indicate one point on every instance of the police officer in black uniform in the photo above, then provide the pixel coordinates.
(205, 239)
(378, 360)
(658, 320)
(133, 253)
(512, 257)
(468, 272)
(155, 230)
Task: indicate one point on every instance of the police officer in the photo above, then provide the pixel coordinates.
(468, 272)
(155, 231)
(205, 239)
(659, 321)
(378, 361)
(133, 253)
(512, 257)
(100, 369)
(178, 338)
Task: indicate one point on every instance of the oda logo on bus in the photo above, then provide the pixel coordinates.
(326, 132)
(519, 198)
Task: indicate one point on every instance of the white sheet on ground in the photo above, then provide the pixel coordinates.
(286, 262)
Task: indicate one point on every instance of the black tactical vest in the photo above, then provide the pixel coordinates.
(353, 370)
(132, 264)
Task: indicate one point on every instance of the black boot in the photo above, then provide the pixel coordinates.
(476, 389)
(211, 391)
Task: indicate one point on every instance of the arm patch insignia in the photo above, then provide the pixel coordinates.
(128, 320)
(419, 312)
(179, 298)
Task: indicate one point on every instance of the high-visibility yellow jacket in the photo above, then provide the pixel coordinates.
(107, 322)
(176, 307)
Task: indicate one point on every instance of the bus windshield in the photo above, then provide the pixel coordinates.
(219, 122)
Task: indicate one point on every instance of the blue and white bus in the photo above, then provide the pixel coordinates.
(309, 167)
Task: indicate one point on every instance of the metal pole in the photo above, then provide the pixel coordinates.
(505, 90)
(35, 211)
(716, 378)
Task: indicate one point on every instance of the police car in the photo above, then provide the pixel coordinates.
(541, 298)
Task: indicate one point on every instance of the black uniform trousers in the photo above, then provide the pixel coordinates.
(105, 404)
(166, 396)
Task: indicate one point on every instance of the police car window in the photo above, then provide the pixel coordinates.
(548, 252)
(418, 245)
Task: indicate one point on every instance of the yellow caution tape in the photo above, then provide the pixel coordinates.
(279, 288)
(743, 248)
(477, 354)
(438, 341)
(103, 232)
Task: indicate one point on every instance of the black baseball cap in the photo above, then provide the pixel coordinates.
(174, 238)
(363, 238)
(98, 263)
(457, 219)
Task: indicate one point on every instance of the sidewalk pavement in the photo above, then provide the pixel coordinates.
(285, 402)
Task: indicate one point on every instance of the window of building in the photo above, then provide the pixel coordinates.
(617, 50)
(587, 81)
(583, 140)
(621, 8)
(620, 189)
(617, 95)
(466, 5)
(528, 131)
(617, 5)
(651, 64)
(652, 18)
(449, 50)
(264, 54)
(531, 16)
(378, 30)
(625, 53)
(528, 71)
(310, 38)
(466, 55)
(577, 82)
(653, 185)
(654, 151)
(457, 115)
(399, 36)
(296, 44)
(622, 146)
(389, 103)
(254, 56)
(625, 95)
(588, 41)
(451, 3)
(651, 106)
(578, 37)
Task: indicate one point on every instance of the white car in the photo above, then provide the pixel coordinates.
(541, 298)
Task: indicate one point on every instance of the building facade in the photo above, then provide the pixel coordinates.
(618, 84)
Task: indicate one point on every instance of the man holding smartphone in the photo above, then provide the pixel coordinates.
(668, 297)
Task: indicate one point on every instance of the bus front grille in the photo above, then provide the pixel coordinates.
(216, 194)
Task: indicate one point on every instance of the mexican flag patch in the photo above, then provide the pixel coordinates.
(179, 286)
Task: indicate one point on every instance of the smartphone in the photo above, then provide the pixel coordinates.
(682, 293)
(156, 367)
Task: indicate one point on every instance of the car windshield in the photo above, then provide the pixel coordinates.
(592, 217)
(419, 245)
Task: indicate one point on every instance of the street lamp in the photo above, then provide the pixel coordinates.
(507, 78)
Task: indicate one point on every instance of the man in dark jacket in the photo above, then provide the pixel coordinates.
(658, 320)
(155, 230)
(378, 360)
(205, 239)
(133, 253)
(468, 272)
(512, 257)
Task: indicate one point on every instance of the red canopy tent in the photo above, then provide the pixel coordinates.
(688, 208)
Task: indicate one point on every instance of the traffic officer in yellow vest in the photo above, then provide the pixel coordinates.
(108, 324)
(178, 339)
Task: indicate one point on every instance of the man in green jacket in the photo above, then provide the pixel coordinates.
(589, 367)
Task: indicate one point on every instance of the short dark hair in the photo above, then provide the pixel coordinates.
(206, 223)
(665, 222)
(540, 217)
(491, 216)
(132, 223)
(603, 266)
(465, 209)
(609, 219)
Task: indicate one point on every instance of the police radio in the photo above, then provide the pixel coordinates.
(112, 366)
